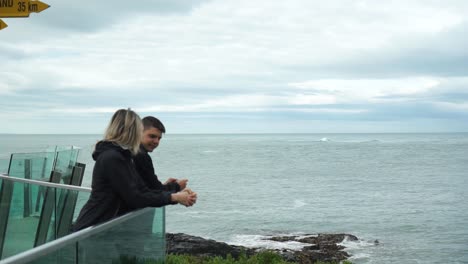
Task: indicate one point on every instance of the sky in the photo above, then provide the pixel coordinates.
(238, 66)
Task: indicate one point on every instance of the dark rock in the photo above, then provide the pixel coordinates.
(197, 246)
(323, 247)
(314, 247)
(308, 240)
(282, 238)
(307, 256)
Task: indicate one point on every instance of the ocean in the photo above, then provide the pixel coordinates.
(404, 195)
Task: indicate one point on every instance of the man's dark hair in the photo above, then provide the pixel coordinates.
(151, 121)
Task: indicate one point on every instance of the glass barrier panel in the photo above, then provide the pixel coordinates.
(159, 229)
(69, 206)
(4, 162)
(21, 227)
(36, 166)
(66, 158)
(132, 241)
(80, 202)
(64, 255)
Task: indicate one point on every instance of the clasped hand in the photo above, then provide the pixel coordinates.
(186, 197)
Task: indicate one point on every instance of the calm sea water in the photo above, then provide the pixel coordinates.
(408, 191)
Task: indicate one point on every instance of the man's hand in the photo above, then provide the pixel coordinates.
(186, 197)
(189, 191)
(182, 183)
(170, 180)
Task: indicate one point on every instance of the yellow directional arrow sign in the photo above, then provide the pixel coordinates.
(21, 8)
(2, 24)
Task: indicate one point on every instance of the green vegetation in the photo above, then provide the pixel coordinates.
(265, 257)
(260, 258)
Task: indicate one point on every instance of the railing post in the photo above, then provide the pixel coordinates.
(47, 210)
(67, 202)
(27, 191)
(6, 193)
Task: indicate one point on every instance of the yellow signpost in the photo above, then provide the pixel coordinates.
(2, 24)
(21, 8)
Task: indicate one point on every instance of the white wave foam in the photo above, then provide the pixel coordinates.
(209, 151)
(355, 248)
(263, 242)
(324, 139)
(369, 141)
(358, 249)
(355, 244)
(360, 256)
(298, 203)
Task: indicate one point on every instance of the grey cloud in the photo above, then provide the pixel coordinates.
(91, 15)
(26, 100)
(11, 53)
(431, 97)
(409, 111)
(442, 54)
(374, 112)
(376, 66)
(450, 90)
(452, 97)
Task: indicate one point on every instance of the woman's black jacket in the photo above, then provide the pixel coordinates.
(116, 185)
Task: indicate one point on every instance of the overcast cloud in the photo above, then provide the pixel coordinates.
(238, 66)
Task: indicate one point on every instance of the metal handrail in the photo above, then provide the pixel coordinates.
(5, 176)
(49, 151)
(37, 252)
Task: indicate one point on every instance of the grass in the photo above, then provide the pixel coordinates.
(260, 258)
(265, 257)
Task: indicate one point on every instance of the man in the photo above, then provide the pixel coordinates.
(152, 135)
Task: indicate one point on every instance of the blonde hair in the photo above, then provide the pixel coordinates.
(125, 129)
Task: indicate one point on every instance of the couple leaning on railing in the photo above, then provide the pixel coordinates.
(123, 181)
(123, 176)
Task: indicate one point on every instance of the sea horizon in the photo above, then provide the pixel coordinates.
(256, 133)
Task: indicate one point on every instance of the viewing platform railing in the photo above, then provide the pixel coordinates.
(21, 229)
(37, 211)
(131, 238)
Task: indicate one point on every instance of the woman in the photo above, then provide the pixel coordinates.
(116, 184)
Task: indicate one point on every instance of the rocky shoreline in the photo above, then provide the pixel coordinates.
(321, 247)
